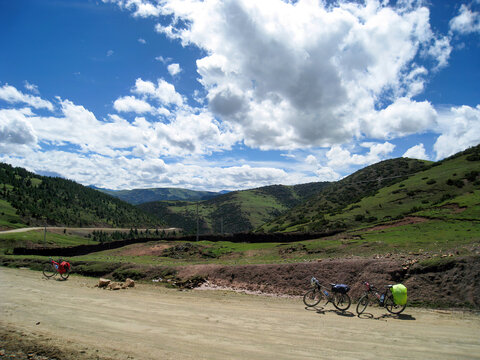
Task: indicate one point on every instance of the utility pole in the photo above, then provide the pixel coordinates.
(45, 234)
(197, 224)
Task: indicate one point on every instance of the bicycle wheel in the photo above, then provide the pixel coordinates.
(392, 307)
(49, 270)
(312, 297)
(66, 274)
(362, 304)
(342, 301)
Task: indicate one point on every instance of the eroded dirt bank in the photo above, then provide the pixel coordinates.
(74, 320)
(450, 282)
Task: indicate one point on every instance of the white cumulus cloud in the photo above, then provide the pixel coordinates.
(11, 95)
(459, 128)
(416, 152)
(296, 74)
(174, 69)
(466, 22)
(132, 104)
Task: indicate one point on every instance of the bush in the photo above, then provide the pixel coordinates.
(132, 273)
(455, 182)
(473, 157)
(471, 176)
(359, 217)
(431, 182)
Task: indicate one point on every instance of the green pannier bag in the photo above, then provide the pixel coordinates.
(399, 292)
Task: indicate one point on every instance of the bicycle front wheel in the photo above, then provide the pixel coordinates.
(49, 270)
(392, 307)
(362, 304)
(66, 274)
(312, 297)
(342, 301)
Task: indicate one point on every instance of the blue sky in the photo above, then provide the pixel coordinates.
(234, 94)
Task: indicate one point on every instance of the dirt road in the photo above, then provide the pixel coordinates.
(80, 230)
(149, 322)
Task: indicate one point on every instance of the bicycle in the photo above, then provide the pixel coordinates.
(338, 295)
(53, 268)
(384, 300)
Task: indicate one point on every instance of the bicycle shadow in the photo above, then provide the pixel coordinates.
(322, 311)
(386, 316)
(54, 279)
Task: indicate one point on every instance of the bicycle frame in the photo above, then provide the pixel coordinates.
(384, 300)
(374, 291)
(341, 301)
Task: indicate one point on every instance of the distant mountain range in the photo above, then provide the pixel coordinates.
(388, 190)
(383, 192)
(140, 196)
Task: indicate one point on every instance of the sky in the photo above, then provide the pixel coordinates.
(234, 94)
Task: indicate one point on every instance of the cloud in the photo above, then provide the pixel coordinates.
(416, 152)
(326, 173)
(163, 92)
(11, 95)
(290, 75)
(174, 69)
(140, 8)
(132, 104)
(340, 158)
(31, 87)
(15, 129)
(459, 128)
(188, 132)
(127, 173)
(110, 53)
(403, 117)
(142, 41)
(466, 22)
(163, 60)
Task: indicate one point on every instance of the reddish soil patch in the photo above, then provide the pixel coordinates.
(449, 283)
(405, 221)
(456, 209)
(142, 249)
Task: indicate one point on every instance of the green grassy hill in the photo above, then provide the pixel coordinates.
(448, 189)
(234, 212)
(141, 196)
(27, 199)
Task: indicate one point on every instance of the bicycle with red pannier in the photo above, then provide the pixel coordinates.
(53, 267)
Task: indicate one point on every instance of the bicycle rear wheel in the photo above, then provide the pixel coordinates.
(342, 301)
(49, 270)
(312, 297)
(362, 304)
(392, 307)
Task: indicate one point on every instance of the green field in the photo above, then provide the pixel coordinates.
(38, 238)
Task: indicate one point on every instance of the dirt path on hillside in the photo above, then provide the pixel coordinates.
(60, 229)
(149, 322)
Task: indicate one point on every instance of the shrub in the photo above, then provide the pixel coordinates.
(431, 182)
(359, 217)
(473, 157)
(471, 176)
(455, 182)
(132, 273)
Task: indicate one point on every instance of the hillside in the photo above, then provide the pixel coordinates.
(30, 199)
(140, 196)
(380, 193)
(234, 212)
